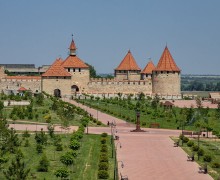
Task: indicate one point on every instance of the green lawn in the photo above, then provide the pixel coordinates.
(85, 165)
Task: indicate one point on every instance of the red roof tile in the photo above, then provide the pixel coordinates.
(56, 69)
(148, 68)
(72, 45)
(22, 89)
(128, 63)
(74, 62)
(166, 62)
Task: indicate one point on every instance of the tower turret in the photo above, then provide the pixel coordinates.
(128, 69)
(72, 48)
(166, 76)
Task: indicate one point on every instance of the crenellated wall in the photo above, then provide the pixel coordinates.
(115, 86)
(14, 83)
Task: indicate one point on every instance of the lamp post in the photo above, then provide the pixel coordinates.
(115, 169)
(138, 128)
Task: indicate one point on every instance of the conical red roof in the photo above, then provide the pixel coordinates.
(166, 62)
(128, 63)
(148, 68)
(74, 62)
(72, 45)
(56, 69)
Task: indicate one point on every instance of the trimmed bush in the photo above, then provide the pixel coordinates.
(104, 135)
(62, 173)
(195, 148)
(103, 159)
(190, 143)
(43, 164)
(103, 140)
(104, 149)
(102, 174)
(103, 166)
(207, 158)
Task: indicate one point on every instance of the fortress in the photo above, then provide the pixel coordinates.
(70, 77)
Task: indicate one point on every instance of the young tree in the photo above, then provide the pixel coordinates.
(17, 170)
(43, 164)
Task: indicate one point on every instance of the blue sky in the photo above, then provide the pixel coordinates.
(40, 31)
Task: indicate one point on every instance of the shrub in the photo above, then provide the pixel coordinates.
(66, 159)
(200, 152)
(195, 148)
(104, 149)
(103, 140)
(215, 164)
(103, 166)
(102, 174)
(62, 173)
(74, 145)
(190, 143)
(74, 153)
(104, 134)
(99, 123)
(207, 158)
(103, 159)
(185, 139)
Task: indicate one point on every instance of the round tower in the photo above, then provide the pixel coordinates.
(166, 76)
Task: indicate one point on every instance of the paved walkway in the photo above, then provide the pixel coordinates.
(149, 155)
(146, 156)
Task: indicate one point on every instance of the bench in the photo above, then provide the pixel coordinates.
(124, 177)
(190, 158)
(187, 133)
(154, 125)
(176, 144)
(203, 169)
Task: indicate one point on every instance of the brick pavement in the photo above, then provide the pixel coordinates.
(149, 155)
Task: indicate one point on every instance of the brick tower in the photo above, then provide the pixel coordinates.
(166, 76)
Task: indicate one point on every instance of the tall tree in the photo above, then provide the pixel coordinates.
(92, 71)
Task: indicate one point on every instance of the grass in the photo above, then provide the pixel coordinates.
(40, 111)
(210, 147)
(85, 165)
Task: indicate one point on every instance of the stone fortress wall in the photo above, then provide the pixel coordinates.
(103, 85)
(15, 84)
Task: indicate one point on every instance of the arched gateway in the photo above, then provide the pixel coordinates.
(57, 93)
(75, 88)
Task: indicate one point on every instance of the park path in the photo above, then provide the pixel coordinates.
(149, 155)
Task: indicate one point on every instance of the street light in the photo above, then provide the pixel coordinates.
(115, 170)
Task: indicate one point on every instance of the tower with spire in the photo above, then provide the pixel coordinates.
(166, 76)
(128, 69)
